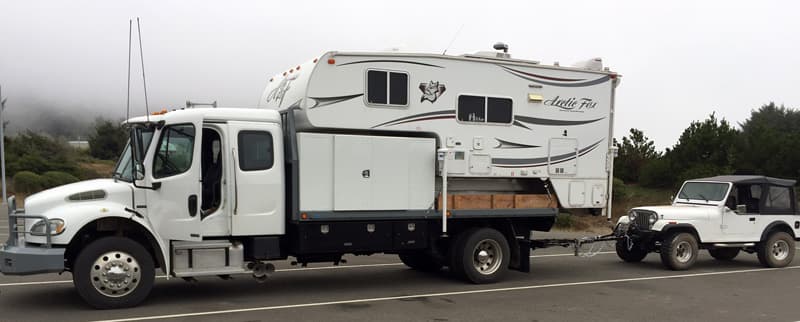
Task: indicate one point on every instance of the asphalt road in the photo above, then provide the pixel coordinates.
(378, 288)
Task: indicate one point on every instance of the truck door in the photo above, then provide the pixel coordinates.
(173, 203)
(258, 178)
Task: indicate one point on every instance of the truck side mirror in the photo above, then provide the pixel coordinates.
(741, 209)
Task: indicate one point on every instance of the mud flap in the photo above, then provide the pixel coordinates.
(523, 260)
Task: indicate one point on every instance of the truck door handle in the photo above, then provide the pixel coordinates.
(752, 218)
(193, 205)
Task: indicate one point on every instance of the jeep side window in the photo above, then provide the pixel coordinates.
(778, 200)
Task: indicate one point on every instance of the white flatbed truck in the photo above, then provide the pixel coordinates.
(347, 155)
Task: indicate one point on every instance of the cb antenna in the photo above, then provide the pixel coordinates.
(454, 39)
(144, 79)
(128, 98)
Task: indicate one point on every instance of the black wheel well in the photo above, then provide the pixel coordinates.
(777, 226)
(674, 229)
(113, 226)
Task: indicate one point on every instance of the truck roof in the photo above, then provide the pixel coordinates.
(214, 114)
(750, 179)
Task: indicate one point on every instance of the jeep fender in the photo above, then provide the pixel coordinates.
(778, 225)
(681, 227)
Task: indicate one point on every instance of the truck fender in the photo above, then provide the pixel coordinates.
(681, 227)
(778, 225)
(89, 218)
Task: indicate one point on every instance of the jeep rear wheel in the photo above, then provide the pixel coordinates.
(777, 251)
(634, 255)
(679, 251)
(724, 254)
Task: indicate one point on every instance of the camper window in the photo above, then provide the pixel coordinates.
(481, 109)
(387, 88)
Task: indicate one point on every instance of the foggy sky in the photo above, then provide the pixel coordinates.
(680, 60)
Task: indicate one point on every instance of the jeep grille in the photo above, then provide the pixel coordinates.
(642, 220)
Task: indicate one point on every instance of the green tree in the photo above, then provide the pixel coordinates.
(769, 143)
(635, 151)
(38, 153)
(107, 140)
(705, 148)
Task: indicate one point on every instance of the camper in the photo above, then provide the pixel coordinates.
(446, 161)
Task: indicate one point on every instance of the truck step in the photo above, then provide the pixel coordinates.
(207, 258)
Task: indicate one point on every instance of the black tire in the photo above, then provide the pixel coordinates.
(724, 253)
(420, 261)
(679, 251)
(125, 258)
(475, 248)
(634, 255)
(777, 251)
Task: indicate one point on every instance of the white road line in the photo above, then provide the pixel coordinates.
(280, 270)
(402, 297)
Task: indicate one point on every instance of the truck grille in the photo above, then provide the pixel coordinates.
(642, 220)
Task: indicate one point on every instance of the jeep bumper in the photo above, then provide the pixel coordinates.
(22, 260)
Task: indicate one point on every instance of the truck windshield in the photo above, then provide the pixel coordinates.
(124, 168)
(706, 191)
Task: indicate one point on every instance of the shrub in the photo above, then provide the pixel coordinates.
(619, 190)
(52, 179)
(27, 182)
(563, 221)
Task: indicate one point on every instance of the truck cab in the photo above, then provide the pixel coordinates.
(723, 214)
(189, 181)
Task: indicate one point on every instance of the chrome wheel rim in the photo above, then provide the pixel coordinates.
(115, 274)
(683, 251)
(487, 257)
(780, 250)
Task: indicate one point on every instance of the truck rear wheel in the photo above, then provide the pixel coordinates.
(480, 256)
(679, 251)
(113, 272)
(777, 251)
(634, 255)
(724, 254)
(420, 261)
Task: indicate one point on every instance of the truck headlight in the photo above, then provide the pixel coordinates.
(56, 227)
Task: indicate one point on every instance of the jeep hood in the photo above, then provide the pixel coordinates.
(681, 211)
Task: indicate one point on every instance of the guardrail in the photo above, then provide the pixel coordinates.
(14, 228)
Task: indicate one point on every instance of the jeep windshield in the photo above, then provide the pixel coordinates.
(703, 192)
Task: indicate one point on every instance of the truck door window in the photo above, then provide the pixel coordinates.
(211, 165)
(174, 151)
(255, 150)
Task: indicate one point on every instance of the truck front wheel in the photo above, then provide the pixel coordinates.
(777, 251)
(480, 256)
(634, 255)
(679, 251)
(113, 272)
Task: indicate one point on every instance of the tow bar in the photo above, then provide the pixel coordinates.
(577, 243)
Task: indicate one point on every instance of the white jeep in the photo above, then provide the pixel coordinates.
(723, 214)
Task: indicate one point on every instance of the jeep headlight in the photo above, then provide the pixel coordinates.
(653, 218)
(56, 227)
(631, 215)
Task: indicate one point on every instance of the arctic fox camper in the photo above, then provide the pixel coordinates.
(445, 161)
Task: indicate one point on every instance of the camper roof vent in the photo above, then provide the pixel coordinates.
(590, 64)
(492, 54)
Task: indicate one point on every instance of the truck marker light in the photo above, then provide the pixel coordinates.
(331, 61)
(672, 222)
(298, 67)
(284, 73)
(304, 216)
(291, 70)
(315, 60)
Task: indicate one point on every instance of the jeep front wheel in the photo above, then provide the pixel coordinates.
(777, 251)
(113, 272)
(633, 255)
(679, 251)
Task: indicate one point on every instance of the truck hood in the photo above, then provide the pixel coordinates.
(83, 191)
(681, 211)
